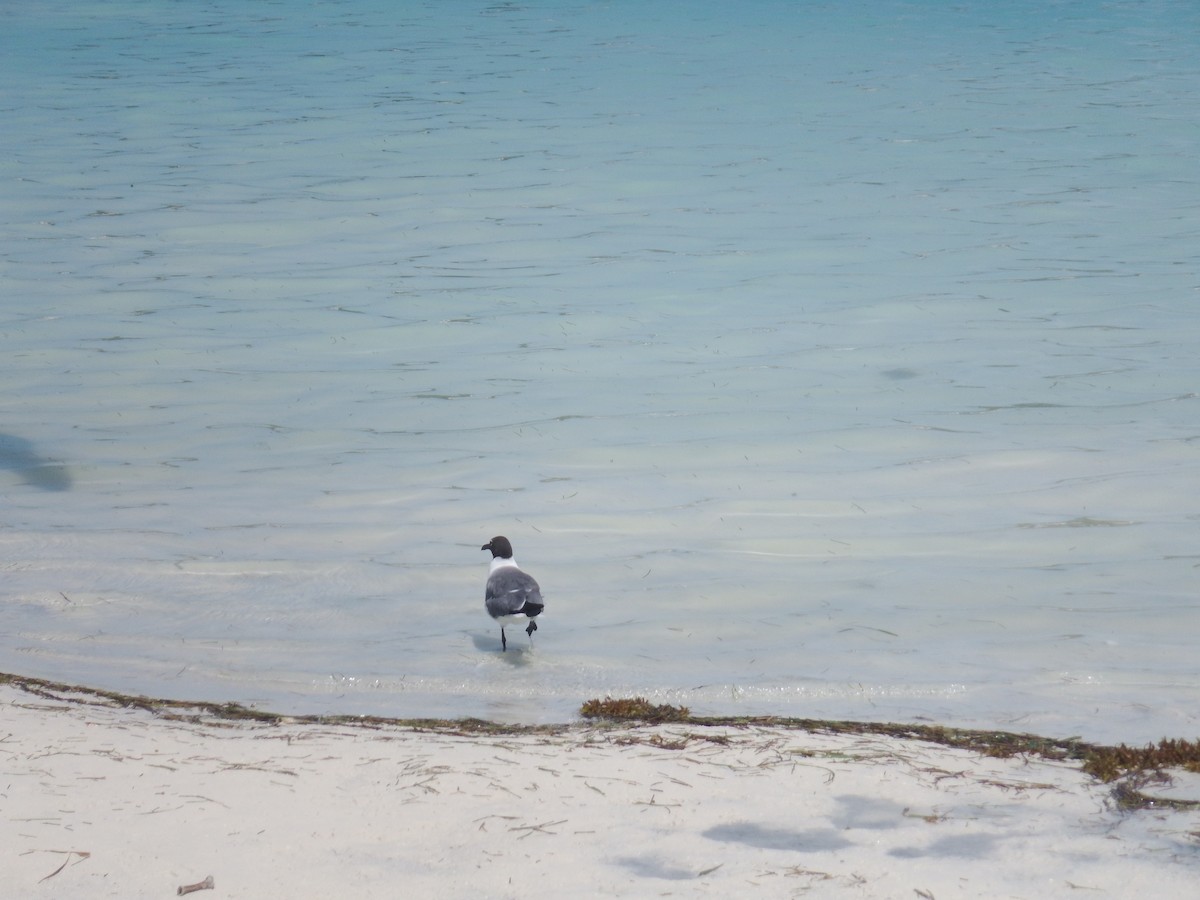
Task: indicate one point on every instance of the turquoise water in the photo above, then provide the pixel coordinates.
(818, 360)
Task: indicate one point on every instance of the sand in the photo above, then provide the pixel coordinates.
(100, 800)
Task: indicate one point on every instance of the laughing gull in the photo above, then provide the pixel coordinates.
(511, 595)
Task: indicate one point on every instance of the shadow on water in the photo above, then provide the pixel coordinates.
(34, 469)
(519, 653)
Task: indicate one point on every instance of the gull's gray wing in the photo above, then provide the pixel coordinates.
(512, 592)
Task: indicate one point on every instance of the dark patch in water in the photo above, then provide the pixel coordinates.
(19, 455)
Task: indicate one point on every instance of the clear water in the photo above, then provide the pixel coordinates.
(828, 360)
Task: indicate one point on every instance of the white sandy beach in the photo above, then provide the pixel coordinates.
(103, 801)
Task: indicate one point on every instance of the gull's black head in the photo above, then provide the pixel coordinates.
(499, 546)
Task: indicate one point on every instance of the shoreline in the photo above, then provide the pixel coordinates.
(107, 796)
(1103, 761)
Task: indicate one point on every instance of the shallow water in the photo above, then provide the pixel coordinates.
(824, 361)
